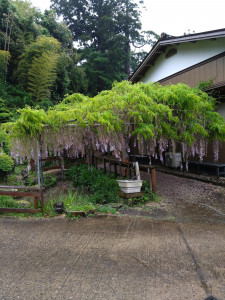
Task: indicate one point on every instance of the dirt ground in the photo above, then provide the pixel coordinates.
(185, 200)
(179, 189)
(192, 200)
(181, 199)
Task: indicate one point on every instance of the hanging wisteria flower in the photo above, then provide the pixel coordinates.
(157, 116)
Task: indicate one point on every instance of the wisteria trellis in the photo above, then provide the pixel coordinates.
(159, 117)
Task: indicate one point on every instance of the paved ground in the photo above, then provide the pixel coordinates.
(111, 258)
(175, 251)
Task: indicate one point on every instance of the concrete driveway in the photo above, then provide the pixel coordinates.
(111, 258)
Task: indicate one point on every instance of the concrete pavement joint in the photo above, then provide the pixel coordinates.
(207, 287)
(74, 264)
(128, 228)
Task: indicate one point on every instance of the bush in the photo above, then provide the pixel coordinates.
(45, 104)
(15, 96)
(49, 180)
(4, 142)
(6, 164)
(85, 207)
(102, 188)
(73, 201)
(148, 192)
(31, 179)
(5, 114)
(13, 179)
(8, 201)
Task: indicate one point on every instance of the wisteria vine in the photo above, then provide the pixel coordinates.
(156, 118)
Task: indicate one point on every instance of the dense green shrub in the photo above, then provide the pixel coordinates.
(8, 201)
(49, 180)
(45, 104)
(13, 179)
(72, 201)
(31, 179)
(6, 164)
(5, 114)
(102, 188)
(4, 143)
(14, 97)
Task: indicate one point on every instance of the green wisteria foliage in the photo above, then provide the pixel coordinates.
(157, 117)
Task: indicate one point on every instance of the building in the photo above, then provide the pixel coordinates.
(188, 59)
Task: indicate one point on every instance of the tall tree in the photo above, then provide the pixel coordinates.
(50, 26)
(129, 25)
(4, 59)
(70, 75)
(42, 75)
(105, 29)
(37, 67)
(87, 18)
(20, 26)
(17, 30)
(5, 114)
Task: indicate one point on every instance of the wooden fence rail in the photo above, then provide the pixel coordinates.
(129, 166)
(23, 191)
(56, 158)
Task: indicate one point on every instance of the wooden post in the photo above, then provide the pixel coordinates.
(21, 191)
(42, 175)
(153, 179)
(149, 182)
(115, 168)
(149, 177)
(86, 155)
(109, 165)
(62, 167)
(130, 171)
(42, 201)
(36, 202)
(38, 166)
(92, 158)
(96, 162)
(104, 162)
(32, 165)
(120, 169)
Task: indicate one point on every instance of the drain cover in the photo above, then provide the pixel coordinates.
(210, 298)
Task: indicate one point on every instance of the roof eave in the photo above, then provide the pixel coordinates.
(170, 41)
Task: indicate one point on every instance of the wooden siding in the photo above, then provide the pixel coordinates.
(213, 70)
(210, 155)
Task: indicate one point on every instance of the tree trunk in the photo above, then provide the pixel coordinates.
(6, 32)
(127, 66)
(127, 46)
(10, 31)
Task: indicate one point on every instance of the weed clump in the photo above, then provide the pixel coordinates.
(102, 188)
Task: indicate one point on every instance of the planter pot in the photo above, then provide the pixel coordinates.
(130, 186)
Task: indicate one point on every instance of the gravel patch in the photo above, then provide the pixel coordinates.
(191, 199)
